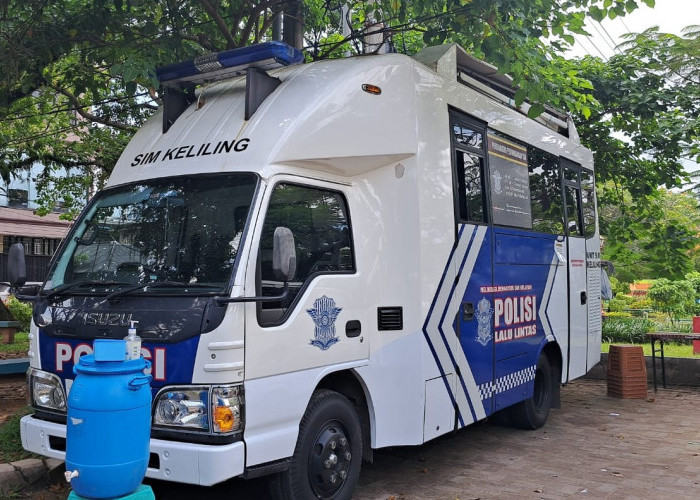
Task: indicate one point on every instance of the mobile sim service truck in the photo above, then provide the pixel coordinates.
(328, 258)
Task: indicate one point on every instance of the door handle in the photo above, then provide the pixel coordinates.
(353, 328)
(584, 298)
(467, 311)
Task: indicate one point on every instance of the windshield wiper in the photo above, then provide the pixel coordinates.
(156, 284)
(66, 287)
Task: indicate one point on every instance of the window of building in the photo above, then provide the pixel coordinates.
(319, 221)
(18, 198)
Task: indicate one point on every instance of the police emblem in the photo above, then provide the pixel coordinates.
(324, 313)
(483, 317)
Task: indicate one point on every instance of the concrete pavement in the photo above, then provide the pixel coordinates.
(595, 446)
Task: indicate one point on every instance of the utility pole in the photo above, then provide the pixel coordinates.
(345, 25)
(375, 39)
(293, 25)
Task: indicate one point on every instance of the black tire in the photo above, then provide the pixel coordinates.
(328, 454)
(533, 412)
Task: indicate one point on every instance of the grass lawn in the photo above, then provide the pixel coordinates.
(10, 442)
(17, 349)
(671, 350)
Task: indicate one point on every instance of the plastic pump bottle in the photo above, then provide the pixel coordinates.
(133, 342)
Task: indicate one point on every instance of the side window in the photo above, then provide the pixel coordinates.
(573, 210)
(470, 181)
(572, 197)
(468, 165)
(319, 221)
(588, 202)
(545, 192)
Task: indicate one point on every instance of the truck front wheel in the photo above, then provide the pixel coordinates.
(328, 453)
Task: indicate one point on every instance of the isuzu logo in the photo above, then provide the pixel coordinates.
(107, 319)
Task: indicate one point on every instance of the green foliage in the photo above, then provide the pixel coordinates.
(94, 61)
(694, 279)
(618, 286)
(18, 348)
(618, 303)
(671, 349)
(10, 442)
(22, 311)
(641, 303)
(617, 314)
(672, 297)
(653, 236)
(626, 330)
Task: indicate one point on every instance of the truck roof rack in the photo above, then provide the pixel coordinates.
(453, 61)
(178, 80)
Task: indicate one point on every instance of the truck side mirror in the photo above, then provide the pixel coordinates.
(16, 266)
(284, 254)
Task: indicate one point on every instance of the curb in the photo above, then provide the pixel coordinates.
(17, 476)
(679, 371)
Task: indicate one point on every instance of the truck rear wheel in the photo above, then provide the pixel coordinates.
(328, 453)
(533, 412)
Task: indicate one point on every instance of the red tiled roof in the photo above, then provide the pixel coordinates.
(23, 222)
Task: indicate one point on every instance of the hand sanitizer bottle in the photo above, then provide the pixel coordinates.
(133, 343)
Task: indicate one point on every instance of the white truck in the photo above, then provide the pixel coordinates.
(325, 259)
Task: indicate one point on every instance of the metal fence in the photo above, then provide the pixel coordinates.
(37, 267)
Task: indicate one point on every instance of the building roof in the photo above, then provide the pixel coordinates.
(23, 222)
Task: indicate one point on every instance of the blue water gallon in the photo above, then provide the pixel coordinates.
(109, 423)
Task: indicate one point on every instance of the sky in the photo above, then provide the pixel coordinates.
(670, 15)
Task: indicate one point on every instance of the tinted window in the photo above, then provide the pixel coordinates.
(471, 190)
(545, 192)
(468, 168)
(588, 202)
(467, 136)
(183, 230)
(573, 210)
(319, 222)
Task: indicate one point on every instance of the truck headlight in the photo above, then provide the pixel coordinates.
(46, 391)
(202, 409)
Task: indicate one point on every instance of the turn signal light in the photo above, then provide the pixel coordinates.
(224, 419)
(371, 89)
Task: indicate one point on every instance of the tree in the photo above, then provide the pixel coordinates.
(674, 298)
(644, 112)
(653, 239)
(95, 58)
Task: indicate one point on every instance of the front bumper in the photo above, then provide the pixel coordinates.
(190, 463)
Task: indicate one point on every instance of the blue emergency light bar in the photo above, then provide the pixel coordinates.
(229, 63)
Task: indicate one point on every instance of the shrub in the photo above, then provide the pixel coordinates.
(665, 325)
(673, 297)
(617, 314)
(617, 304)
(618, 286)
(22, 312)
(641, 303)
(628, 330)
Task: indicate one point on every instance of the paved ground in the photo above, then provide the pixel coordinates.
(593, 447)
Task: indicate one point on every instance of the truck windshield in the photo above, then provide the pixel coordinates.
(168, 232)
